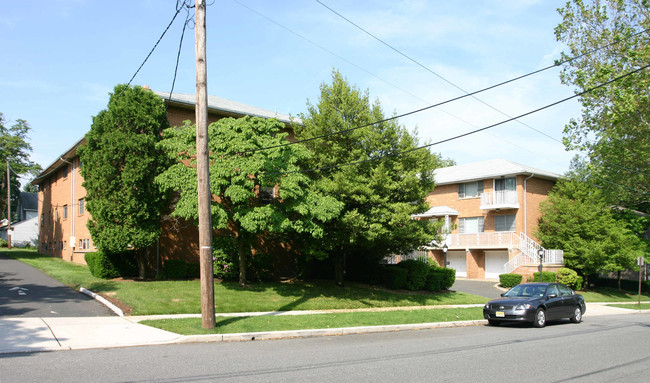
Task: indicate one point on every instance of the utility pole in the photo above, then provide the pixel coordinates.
(203, 172)
(8, 208)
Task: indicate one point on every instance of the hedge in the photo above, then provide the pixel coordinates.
(547, 276)
(174, 269)
(101, 265)
(434, 280)
(394, 277)
(417, 273)
(569, 278)
(510, 280)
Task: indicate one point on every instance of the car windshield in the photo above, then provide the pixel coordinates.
(526, 291)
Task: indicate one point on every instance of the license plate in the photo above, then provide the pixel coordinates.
(500, 314)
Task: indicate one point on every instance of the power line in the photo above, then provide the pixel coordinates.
(471, 132)
(188, 18)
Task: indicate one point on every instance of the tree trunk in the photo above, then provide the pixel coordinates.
(339, 267)
(141, 260)
(618, 278)
(241, 249)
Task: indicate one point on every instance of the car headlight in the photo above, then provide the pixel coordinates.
(524, 306)
(487, 306)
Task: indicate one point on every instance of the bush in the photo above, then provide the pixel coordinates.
(394, 277)
(434, 280)
(417, 272)
(193, 270)
(174, 269)
(547, 276)
(3, 243)
(449, 277)
(510, 280)
(101, 265)
(569, 278)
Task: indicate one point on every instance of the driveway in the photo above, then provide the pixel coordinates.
(478, 287)
(28, 292)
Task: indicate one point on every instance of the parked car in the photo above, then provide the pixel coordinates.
(536, 303)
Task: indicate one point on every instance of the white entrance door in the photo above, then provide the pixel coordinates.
(494, 262)
(458, 262)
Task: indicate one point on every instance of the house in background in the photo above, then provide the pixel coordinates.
(63, 230)
(490, 210)
(25, 228)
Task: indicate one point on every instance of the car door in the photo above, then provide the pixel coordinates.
(569, 300)
(554, 303)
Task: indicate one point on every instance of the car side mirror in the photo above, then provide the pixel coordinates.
(550, 296)
(503, 294)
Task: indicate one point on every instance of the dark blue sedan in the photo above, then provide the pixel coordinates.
(536, 303)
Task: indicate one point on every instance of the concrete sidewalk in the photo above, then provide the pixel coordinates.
(57, 333)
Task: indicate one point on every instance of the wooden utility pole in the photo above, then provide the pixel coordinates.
(203, 172)
(8, 208)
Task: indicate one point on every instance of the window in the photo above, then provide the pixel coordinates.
(564, 291)
(84, 244)
(81, 207)
(470, 225)
(470, 189)
(65, 171)
(501, 184)
(505, 223)
(65, 211)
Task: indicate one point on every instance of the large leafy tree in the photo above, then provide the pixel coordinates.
(577, 218)
(120, 162)
(14, 148)
(614, 128)
(244, 177)
(384, 185)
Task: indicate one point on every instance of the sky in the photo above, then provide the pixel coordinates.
(61, 59)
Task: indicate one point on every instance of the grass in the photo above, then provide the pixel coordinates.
(184, 297)
(230, 325)
(633, 306)
(608, 294)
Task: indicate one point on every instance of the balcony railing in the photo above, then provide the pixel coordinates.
(503, 199)
(497, 239)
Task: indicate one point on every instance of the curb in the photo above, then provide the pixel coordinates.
(102, 300)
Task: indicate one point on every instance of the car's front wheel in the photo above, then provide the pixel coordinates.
(540, 318)
(577, 315)
(493, 322)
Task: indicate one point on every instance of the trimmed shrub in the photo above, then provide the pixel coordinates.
(3, 243)
(394, 277)
(448, 277)
(510, 280)
(569, 278)
(434, 280)
(101, 265)
(175, 269)
(417, 272)
(193, 270)
(547, 276)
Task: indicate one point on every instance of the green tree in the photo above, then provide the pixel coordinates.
(380, 191)
(120, 162)
(244, 180)
(613, 129)
(577, 219)
(15, 148)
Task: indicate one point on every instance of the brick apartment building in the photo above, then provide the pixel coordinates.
(63, 218)
(491, 209)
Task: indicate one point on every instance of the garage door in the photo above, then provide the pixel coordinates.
(457, 262)
(494, 262)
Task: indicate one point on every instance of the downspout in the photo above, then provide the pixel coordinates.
(72, 214)
(526, 203)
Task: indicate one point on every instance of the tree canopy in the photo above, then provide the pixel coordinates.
(120, 161)
(613, 129)
(577, 218)
(373, 171)
(256, 191)
(15, 148)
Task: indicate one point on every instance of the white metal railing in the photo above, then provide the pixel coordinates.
(507, 239)
(419, 255)
(501, 198)
(528, 254)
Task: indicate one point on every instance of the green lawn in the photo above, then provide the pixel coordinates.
(230, 325)
(184, 297)
(608, 294)
(633, 306)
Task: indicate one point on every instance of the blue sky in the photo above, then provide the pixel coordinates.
(61, 58)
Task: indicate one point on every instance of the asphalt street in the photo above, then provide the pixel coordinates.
(28, 292)
(601, 349)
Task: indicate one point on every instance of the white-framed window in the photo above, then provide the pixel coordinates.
(509, 184)
(470, 189)
(65, 211)
(471, 225)
(505, 222)
(82, 207)
(84, 244)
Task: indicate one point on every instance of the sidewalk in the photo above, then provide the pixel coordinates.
(57, 333)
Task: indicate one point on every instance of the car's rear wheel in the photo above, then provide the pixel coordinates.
(577, 315)
(540, 318)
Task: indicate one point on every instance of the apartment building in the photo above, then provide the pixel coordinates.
(63, 230)
(490, 210)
